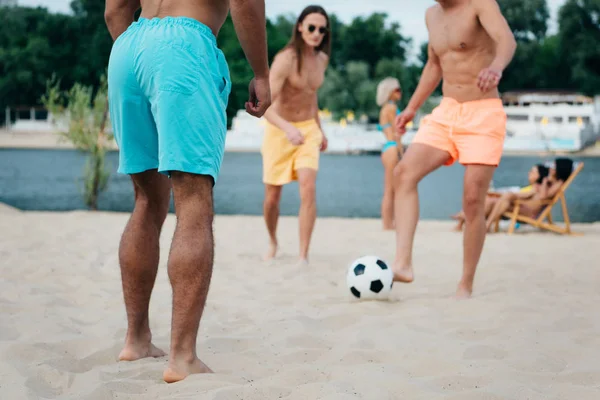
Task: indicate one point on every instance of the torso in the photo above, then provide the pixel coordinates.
(463, 47)
(211, 13)
(297, 100)
(386, 121)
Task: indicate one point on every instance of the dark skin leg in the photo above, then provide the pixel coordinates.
(190, 271)
(139, 257)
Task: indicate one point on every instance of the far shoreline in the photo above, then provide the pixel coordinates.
(22, 140)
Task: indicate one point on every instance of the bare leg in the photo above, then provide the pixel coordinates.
(460, 217)
(138, 258)
(418, 161)
(307, 179)
(271, 215)
(389, 160)
(477, 180)
(190, 270)
(500, 207)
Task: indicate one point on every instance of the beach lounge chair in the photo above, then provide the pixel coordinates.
(544, 220)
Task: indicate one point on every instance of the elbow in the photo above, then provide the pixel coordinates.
(511, 42)
(109, 15)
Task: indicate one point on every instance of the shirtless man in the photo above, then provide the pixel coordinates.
(293, 137)
(470, 45)
(168, 90)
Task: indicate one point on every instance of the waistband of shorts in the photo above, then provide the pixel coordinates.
(476, 104)
(298, 124)
(180, 21)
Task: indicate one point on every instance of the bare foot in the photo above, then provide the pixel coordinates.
(464, 291)
(272, 252)
(458, 216)
(458, 227)
(302, 262)
(404, 275)
(136, 351)
(178, 371)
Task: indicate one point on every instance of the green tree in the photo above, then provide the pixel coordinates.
(528, 19)
(579, 38)
(86, 117)
(369, 40)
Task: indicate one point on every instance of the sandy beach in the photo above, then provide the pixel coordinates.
(532, 331)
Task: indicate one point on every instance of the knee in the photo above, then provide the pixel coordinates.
(155, 208)
(272, 199)
(404, 178)
(473, 205)
(308, 191)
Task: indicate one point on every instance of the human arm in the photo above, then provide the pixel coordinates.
(118, 15)
(324, 142)
(430, 79)
(491, 18)
(549, 189)
(248, 18)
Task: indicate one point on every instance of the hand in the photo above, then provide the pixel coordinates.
(294, 135)
(488, 79)
(324, 143)
(260, 97)
(404, 118)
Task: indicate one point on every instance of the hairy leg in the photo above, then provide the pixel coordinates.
(190, 270)
(138, 259)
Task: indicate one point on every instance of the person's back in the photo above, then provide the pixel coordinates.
(211, 13)
(168, 89)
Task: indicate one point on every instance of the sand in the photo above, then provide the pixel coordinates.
(532, 331)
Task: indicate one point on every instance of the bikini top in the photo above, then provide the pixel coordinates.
(388, 125)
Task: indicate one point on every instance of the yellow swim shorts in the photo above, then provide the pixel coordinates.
(281, 159)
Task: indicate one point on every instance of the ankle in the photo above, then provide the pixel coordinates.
(138, 337)
(466, 283)
(182, 355)
(402, 265)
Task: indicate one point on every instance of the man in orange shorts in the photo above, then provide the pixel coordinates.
(293, 137)
(470, 44)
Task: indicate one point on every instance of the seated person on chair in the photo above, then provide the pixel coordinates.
(536, 175)
(533, 202)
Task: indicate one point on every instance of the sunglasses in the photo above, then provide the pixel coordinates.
(312, 28)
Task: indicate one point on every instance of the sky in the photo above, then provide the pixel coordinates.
(409, 13)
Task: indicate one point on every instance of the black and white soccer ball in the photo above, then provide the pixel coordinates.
(370, 278)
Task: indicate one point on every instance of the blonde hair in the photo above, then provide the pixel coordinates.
(385, 89)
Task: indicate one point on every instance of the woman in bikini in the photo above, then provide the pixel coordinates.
(388, 94)
(536, 175)
(533, 201)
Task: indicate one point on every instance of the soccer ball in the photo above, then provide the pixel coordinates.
(369, 278)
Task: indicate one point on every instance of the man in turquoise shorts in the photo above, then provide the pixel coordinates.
(168, 89)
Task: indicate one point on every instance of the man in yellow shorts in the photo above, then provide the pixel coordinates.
(293, 136)
(470, 45)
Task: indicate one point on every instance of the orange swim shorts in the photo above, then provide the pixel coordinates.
(282, 159)
(472, 132)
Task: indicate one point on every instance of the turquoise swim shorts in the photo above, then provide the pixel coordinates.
(168, 88)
